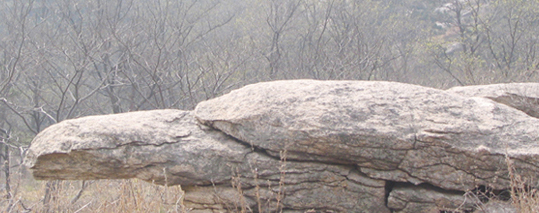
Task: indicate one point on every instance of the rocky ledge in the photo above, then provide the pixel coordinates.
(306, 145)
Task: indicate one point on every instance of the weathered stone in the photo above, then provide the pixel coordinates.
(146, 145)
(391, 131)
(311, 146)
(171, 147)
(408, 198)
(496, 207)
(521, 96)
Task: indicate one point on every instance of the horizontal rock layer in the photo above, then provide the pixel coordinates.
(170, 147)
(521, 96)
(392, 131)
(305, 145)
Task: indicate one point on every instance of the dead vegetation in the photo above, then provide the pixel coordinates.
(94, 196)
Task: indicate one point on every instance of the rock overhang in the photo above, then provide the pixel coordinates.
(384, 132)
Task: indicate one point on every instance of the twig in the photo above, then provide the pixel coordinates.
(83, 207)
(83, 187)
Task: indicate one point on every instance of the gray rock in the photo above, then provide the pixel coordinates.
(218, 173)
(148, 145)
(408, 198)
(391, 131)
(311, 146)
(497, 207)
(521, 96)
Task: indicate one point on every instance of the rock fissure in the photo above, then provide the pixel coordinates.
(388, 187)
(342, 146)
(405, 197)
(525, 104)
(133, 143)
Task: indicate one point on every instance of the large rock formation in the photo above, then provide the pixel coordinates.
(521, 96)
(391, 131)
(341, 146)
(170, 147)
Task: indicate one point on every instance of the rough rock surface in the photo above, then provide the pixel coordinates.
(331, 146)
(425, 198)
(497, 207)
(521, 96)
(391, 131)
(171, 147)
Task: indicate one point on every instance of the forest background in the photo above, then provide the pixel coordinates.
(62, 59)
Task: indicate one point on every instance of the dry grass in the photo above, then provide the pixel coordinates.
(96, 196)
(523, 197)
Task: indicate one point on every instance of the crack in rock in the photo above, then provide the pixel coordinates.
(332, 146)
